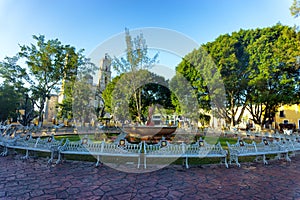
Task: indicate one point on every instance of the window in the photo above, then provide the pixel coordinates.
(285, 121)
(281, 113)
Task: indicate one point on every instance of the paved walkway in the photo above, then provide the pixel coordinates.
(33, 179)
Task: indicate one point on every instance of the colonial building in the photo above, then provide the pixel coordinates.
(288, 115)
(51, 108)
(104, 72)
(104, 79)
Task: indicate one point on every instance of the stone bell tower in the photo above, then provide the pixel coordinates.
(104, 72)
(104, 79)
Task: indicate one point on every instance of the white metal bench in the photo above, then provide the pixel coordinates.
(242, 149)
(5, 141)
(200, 149)
(163, 149)
(86, 147)
(290, 144)
(268, 148)
(27, 143)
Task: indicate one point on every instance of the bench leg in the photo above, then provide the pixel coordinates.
(233, 158)
(225, 161)
(287, 157)
(5, 151)
(26, 155)
(264, 159)
(186, 162)
(59, 158)
(230, 159)
(139, 162)
(51, 158)
(98, 161)
(236, 158)
(237, 163)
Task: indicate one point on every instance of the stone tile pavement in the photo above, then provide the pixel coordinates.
(33, 179)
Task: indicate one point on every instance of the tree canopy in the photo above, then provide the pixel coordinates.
(258, 67)
(134, 66)
(48, 63)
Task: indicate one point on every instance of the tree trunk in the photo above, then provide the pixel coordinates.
(41, 109)
(232, 120)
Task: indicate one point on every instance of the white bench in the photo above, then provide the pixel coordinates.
(200, 149)
(242, 149)
(163, 149)
(268, 148)
(5, 141)
(27, 143)
(292, 144)
(86, 147)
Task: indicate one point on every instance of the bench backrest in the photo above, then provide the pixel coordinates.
(48, 142)
(104, 147)
(123, 147)
(267, 146)
(25, 141)
(203, 148)
(163, 147)
(73, 146)
(241, 147)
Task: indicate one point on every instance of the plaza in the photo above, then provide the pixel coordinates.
(34, 179)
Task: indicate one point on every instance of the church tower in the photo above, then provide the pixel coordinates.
(104, 72)
(104, 79)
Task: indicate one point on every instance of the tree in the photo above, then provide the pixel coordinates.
(83, 99)
(295, 8)
(275, 74)
(134, 65)
(228, 53)
(258, 69)
(198, 86)
(107, 94)
(184, 96)
(9, 102)
(13, 74)
(48, 64)
(13, 95)
(154, 91)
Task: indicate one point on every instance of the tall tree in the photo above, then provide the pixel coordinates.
(135, 65)
(228, 53)
(48, 63)
(10, 102)
(154, 91)
(258, 67)
(275, 73)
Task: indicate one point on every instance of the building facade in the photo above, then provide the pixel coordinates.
(288, 114)
(51, 108)
(104, 79)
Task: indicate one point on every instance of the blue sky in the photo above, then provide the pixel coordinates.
(87, 23)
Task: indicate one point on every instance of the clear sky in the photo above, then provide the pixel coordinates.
(87, 23)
